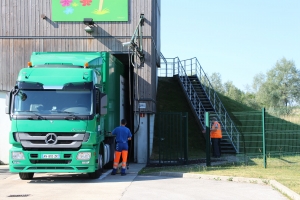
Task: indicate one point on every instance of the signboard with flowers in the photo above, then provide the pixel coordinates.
(99, 10)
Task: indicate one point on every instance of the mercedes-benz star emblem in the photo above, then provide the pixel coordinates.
(51, 138)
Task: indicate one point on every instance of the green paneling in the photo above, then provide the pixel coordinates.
(111, 86)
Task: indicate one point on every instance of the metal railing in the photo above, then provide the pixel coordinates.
(191, 67)
(174, 67)
(167, 67)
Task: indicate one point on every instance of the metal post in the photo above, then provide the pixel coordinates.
(174, 67)
(200, 72)
(196, 71)
(185, 129)
(159, 136)
(167, 69)
(207, 139)
(178, 66)
(264, 138)
(192, 67)
(148, 138)
(238, 143)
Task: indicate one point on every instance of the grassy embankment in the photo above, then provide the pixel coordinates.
(284, 169)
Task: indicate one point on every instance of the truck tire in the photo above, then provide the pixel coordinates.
(96, 174)
(26, 176)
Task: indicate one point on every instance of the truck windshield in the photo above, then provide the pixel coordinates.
(53, 102)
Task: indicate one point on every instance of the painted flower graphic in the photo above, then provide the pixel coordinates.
(70, 6)
(86, 2)
(68, 10)
(65, 2)
(74, 4)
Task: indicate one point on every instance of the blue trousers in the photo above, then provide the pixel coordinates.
(216, 146)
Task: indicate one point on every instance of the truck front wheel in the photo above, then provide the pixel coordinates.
(26, 176)
(96, 174)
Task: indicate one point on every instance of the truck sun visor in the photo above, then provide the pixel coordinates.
(29, 85)
(60, 65)
(78, 86)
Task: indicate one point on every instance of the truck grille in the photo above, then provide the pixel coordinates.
(50, 161)
(51, 140)
(67, 155)
(50, 168)
(35, 155)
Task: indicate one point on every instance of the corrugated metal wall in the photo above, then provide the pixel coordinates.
(23, 31)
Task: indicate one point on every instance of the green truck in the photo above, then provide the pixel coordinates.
(62, 109)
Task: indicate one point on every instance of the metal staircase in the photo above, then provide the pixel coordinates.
(202, 98)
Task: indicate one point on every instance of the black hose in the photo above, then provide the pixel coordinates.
(130, 149)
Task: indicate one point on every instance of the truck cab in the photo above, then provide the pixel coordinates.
(60, 121)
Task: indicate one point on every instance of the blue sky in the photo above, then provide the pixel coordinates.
(236, 38)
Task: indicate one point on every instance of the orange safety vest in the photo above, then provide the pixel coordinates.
(216, 131)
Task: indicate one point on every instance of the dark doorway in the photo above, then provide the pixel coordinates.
(129, 98)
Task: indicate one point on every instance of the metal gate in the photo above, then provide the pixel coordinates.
(170, 142)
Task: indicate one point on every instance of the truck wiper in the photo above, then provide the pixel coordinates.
(34, 112)
(71, 115)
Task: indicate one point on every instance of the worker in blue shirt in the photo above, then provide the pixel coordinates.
(122, 134)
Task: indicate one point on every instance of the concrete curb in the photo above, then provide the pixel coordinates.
(281, 188)
(284, 190)
(4, 167)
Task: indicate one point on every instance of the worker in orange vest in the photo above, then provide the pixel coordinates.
(216, 135)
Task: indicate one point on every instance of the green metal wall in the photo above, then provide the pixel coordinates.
(113, 69)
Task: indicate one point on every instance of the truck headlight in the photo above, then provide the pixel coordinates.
(17, 155)
(84, 156)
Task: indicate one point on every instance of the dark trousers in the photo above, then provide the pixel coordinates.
(216, 147)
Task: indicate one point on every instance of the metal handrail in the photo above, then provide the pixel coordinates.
(191, 67)
(191, 93)
(175, 68)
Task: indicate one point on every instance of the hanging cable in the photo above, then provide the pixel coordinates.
(137, 51)
(129, 77)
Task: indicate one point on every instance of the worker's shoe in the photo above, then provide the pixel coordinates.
(123, 172)
(114, 171)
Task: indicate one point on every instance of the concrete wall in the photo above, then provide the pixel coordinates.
(4, 131)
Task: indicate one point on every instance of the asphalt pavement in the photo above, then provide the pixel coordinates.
(163, 185)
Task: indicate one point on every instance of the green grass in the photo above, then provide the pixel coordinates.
(285, 170)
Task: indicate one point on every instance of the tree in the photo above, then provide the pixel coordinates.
(258, 80)
(281, 86)
(233, 92)
(216, 82)
(249, 99)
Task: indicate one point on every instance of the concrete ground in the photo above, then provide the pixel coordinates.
(164, 185)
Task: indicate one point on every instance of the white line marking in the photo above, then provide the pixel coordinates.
(104, 175)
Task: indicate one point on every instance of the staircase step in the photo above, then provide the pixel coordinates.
(228, 152)
(226, 145)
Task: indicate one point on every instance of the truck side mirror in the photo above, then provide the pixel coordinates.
(8, 102)
(103, 104)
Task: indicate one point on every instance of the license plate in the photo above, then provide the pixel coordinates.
(51, 156)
